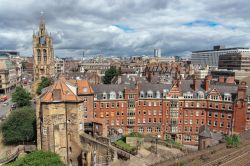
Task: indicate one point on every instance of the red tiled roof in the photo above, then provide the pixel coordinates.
(83, 87)
(59, 91)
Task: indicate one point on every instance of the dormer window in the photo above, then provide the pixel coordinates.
(188, 95)
(104, 96)
(150, 94)
(120, 95)
(165, 91)
(85, 90)
(200, 95)
(213, 97)
(112, 95)
(158, 94)
(142, 94)
(227, 97)
(174, 96)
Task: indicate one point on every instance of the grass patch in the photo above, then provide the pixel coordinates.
(124, 146)
(174, 143)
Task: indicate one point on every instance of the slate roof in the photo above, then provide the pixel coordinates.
(204, 131)
(185, 85)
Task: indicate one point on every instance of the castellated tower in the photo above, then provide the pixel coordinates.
(43, 53)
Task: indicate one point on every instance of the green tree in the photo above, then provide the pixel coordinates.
(19, 126)
(43, 84)
(109, 75)
(21, 97)
(39, 158)
(233, 140)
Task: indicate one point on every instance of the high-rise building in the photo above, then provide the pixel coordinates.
(43, 53)
(211, 57)
(157, 52)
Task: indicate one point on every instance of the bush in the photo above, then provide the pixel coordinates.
(43, 84)
(232, 140)
(135, 134)
(19, 126)
(39, 158)
(21, 97)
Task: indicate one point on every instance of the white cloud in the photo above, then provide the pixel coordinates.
(93, 26)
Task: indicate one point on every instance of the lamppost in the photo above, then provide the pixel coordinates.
(156, 140)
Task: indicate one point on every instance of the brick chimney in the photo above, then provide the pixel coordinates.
(207, 82)
(178, 82)
(242, 90)
(195, 85)
(221, 79)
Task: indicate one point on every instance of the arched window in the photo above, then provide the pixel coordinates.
(200, 95)
(45, 56)
(104, 95)
(112, 95)
(38, 55)
(165, 92)
(142, 94)
(188, 95)
(120, 95)
(158, 94)
(227, 97)
(150, 94)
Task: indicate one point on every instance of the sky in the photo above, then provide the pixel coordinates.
(126, 27)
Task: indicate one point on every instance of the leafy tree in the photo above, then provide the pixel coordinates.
(233, 140)
(135, 134)
(39, 158)
(43, 84)
(21, 97)
(109, 75)
(19, 126)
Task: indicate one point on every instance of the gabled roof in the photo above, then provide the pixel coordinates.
(59, 92)
(204, 131)
(83, 87)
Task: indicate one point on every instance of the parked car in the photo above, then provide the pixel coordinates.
(3, 98)
(6, 103)
(13, 106)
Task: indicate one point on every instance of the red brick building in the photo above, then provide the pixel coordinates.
(176, 111)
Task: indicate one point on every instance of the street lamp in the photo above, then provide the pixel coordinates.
(158, 137)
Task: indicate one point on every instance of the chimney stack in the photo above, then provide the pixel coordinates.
(207, 82)
(242, 90)
(195, 86)
(221, 79)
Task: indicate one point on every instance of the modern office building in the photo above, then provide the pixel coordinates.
(59, 66)
(12, 53)
(157, 52)
(235, 61)
(211, 57)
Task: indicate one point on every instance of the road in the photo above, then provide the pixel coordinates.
(5, 110)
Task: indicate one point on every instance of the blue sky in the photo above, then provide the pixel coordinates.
(207, 23)
(124, 28)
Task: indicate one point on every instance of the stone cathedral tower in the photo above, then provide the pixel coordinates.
(43, 53)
